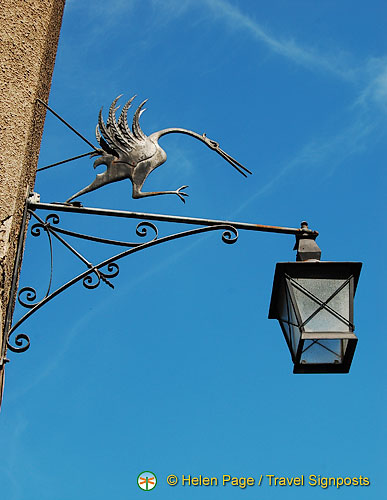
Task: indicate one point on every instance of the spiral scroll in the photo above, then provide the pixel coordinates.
(93, 280)
(20, 345)
(35, 229)
(112, 272)
(30, 297)
(30, 293)
(230, 236)
(142, 229)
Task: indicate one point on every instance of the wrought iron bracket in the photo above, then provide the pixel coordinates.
(105, 271)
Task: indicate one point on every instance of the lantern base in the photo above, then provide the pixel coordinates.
(335, 367)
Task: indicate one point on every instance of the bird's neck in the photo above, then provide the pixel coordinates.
(174, 130)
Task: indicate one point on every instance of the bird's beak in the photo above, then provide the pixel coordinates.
(215, 147)
(238, 166)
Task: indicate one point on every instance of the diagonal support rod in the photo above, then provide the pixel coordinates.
(67, 124)
(64, 161)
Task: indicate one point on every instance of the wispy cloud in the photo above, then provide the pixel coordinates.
(368, 78)
(235, 19)
(288, 48)
(99, 22)
(374, 90)
(370, 75)
(323, 151)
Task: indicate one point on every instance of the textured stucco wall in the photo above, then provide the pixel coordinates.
(29, 33)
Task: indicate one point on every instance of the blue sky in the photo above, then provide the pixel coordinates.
(178, 370)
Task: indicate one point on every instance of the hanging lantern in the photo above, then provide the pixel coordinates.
(313, 302)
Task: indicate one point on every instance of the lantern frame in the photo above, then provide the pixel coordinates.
(285, 280)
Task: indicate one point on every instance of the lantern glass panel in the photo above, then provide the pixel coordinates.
(322, 351)
(284, 316)
(288, 321)
(309, 296)
(294, 327)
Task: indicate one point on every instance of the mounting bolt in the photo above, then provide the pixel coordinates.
(34, 198)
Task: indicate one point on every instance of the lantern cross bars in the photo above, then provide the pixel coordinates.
(322, 304)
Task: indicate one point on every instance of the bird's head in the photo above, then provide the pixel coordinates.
(210, 143)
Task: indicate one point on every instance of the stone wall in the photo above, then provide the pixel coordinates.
(29, 38)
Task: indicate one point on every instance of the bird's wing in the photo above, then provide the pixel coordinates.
(123, 123)
(112, 125)
(103, 135)
(137, 132)
(116, 135)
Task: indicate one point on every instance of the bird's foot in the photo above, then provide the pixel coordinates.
(180, 193)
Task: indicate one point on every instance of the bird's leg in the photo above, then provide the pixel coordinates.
(137, 193)
(139, 176)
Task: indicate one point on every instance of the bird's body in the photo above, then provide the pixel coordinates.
(130, 154)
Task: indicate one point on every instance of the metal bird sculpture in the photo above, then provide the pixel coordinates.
(130, 154)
